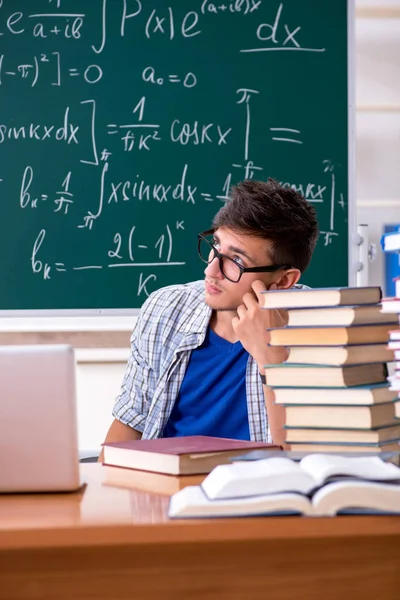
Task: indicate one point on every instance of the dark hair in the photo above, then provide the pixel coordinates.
(267, 210)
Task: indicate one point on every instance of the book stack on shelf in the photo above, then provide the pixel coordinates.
(334, 384)
(389, 306)
(390, 243)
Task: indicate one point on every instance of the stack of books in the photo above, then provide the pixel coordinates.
(389, 306)
(390, 242)
(334, 384)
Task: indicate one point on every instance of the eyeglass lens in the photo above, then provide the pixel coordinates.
(230, 269)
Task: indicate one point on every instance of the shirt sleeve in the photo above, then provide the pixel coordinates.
(133, 402)
(153, 342)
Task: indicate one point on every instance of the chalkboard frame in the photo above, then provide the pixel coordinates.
(351, 119)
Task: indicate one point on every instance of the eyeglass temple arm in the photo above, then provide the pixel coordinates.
(208, 232)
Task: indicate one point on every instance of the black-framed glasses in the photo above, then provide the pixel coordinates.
(229, 267)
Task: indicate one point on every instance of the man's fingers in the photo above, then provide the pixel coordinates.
(258, 287)
(241, 311)
(283, 316)
(250, 300)
(278, 318)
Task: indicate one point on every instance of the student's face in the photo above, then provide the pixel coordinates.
(249, 251)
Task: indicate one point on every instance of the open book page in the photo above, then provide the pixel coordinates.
(340, 495)
(191, 502)
(268, 476)
(274, 475)
(322, 466)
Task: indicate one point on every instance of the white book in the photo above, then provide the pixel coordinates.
(274, 475)
(391, 241)
(395, 387)
(351, 495)
(281, 485)
(390, 305)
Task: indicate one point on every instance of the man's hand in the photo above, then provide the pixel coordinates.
(119, 432)
(252, 322)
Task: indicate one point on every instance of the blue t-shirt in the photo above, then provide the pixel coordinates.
(212, 399)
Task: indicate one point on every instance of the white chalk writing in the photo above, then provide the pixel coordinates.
(124, 125)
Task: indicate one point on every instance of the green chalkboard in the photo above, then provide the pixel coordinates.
(123, 123)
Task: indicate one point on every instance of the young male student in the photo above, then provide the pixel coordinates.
(198, 350)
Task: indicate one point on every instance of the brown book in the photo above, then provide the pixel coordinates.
(318, 297)
(341, 417)
(324, 376)
(353, 396)
(146, 481)
(339, 315)
(340, 355)
(344, 436)
(187, 455)
(330, 336)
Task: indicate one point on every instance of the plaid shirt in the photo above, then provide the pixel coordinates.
(172, 322)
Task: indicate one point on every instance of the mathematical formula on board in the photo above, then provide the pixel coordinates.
(153, 138)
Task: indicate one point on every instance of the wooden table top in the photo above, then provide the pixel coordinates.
(103, 515)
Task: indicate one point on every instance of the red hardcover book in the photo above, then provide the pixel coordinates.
(187, 455)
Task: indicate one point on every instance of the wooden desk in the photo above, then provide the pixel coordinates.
(109, 543)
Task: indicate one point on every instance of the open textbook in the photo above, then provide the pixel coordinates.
(320, 484)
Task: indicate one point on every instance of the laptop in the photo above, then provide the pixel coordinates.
(38, 419)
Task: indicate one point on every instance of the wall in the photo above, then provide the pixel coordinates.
(378, 120)
(99, 376)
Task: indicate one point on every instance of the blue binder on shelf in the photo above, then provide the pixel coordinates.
(392, 260)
